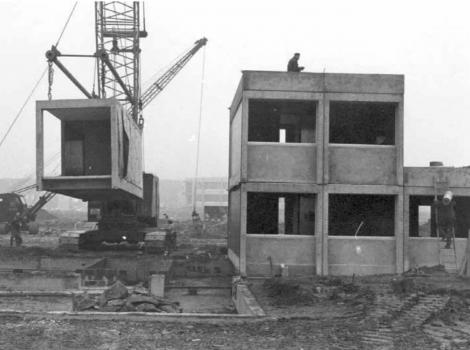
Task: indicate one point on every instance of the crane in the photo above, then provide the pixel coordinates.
(13, 202)
(165, 79)
(119, 27)
(118, 33)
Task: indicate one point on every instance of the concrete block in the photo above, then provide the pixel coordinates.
(157, 285)
(245, 302)
(101, 149)
(39, 281)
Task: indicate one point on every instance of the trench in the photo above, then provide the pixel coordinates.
(201, 284)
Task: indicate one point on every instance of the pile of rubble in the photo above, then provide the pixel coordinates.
(118, 299)
(285, 291)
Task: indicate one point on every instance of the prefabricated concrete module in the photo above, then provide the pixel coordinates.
(100, 149)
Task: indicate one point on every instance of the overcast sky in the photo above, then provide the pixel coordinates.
(427, 41)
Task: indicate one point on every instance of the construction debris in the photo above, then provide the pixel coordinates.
(118, 299)
(425, 270)
(290, 292)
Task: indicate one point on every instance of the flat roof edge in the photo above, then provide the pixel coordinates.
(328, 73)
(77, 103)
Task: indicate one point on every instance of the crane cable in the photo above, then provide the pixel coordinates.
(23, 106)
(66, 23)
(37, 83)
(199, 128)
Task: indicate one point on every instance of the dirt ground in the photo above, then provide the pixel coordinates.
(322, 333)
(430, 311)
(425, 309)
(17, 333)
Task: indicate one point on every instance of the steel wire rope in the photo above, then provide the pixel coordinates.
(66, 23)
(199, 127)
(12, 124)
(153, 78)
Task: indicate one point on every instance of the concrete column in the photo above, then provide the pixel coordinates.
(326, 139)
(243, 215)
(39, 147)
(157, 285)
(244, 135)
(319, 140)
(319, 233)
(326, 214)
(406, 229)
(321, 242)
(399, 141)
(399, 233)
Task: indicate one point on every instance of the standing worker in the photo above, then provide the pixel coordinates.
(15, 227)
(445, 215)
(293, 65)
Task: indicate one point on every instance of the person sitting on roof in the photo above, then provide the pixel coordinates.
(293, 65)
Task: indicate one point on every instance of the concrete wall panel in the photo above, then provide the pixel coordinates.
(362, 165)
(133, 177)
(234, 216)
(297, 252)
(236, 147)
(280, 162)
(424, 176)
(282, 81)
(328, 82)
(365, 83)
(424, 251)
(348, 255)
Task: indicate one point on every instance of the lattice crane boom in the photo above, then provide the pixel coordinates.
(118, 32)
(118, 36)
(154, 89)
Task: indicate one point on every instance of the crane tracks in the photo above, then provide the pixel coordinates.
(449, 336)
(390, 317)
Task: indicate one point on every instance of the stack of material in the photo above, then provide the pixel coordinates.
(118, 299)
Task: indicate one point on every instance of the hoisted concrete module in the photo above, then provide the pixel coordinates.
(100, 150)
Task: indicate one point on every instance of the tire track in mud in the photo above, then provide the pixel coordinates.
(392, 316)
(449, 336)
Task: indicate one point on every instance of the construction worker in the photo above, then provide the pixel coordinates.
(15, 226)
(293, 65)
(445, 216)
(197, 222)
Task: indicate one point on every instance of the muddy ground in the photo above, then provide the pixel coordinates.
(430, 311)
(425, 309)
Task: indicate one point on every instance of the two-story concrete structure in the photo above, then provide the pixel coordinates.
(316, 177)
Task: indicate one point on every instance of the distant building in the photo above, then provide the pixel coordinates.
(172, 194)
(211, 196)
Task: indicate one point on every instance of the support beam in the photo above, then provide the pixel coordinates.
(52, 56)
(103, 55)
